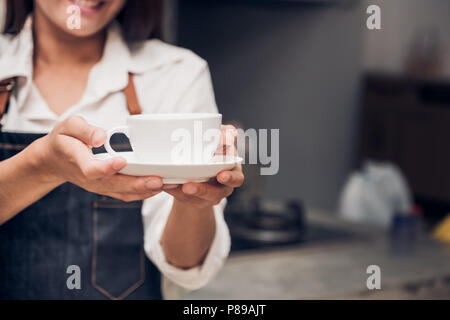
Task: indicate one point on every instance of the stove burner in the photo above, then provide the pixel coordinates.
(269, 227)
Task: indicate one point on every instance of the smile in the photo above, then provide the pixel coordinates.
(89, 6)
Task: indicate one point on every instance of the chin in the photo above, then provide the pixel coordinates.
(83, 32)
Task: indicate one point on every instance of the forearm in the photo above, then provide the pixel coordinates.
(188, 234)
(21, 182)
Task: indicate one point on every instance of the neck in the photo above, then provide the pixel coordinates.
(54, 46)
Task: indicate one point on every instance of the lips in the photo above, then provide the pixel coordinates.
(88, 3)
(89, 6)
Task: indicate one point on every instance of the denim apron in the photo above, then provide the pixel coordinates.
(42, 247)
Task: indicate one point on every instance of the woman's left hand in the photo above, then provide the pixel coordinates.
(191, 225)
(208, 194)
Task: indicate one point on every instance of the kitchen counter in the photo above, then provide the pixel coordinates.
(334, 269)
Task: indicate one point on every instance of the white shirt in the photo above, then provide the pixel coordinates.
(167, 79)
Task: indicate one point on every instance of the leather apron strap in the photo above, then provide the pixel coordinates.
(131, 96)
(7, 86)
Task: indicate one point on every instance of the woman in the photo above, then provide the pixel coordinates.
(63, 211)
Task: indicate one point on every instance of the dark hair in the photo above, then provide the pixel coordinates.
(139, 19)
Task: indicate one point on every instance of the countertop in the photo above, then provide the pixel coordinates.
(334, 270)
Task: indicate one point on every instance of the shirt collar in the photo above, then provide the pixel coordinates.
(17, 59)
(110, 74)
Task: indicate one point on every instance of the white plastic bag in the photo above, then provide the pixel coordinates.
(374, 194)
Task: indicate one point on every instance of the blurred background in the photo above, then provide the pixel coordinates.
(364, 119)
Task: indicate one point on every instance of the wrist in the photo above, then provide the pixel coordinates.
(39, 163)
(188, 234)
(189, 207)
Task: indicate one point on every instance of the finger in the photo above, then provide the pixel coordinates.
(227, 150)
(81, 156)
(76, 127)
(181, 196)
(177, 193)
(206, 191)
(229, 134)
(228, 140)
(96, 169)
(231, 151)
(233, 178)
(120, 183)
(170, 186)
(134, 197)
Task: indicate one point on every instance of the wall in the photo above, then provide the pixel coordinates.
(2, 13)
(297, 67)
(401, 20)
(293, 67)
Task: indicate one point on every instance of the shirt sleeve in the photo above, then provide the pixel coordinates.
(155, 212)
(195, 95)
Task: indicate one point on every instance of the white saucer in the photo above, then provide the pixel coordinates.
(175, 173)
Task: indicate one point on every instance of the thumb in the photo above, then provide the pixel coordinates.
(76, 127)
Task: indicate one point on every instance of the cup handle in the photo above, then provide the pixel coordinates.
(109, 134)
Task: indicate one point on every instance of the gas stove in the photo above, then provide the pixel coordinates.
(272, 225)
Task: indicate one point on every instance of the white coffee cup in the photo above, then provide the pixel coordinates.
(171, 138)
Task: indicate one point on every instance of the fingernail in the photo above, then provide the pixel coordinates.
(191, 190)
(153, 184)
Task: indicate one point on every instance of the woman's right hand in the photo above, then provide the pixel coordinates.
(65, 155)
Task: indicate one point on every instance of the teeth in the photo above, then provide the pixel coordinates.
(87, 3)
